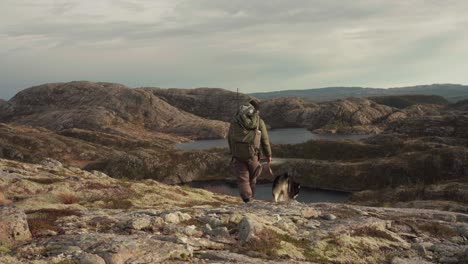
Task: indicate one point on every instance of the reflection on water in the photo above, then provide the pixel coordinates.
(277, 136)
(263, 192)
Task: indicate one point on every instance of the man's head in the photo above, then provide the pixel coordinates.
(255, 104)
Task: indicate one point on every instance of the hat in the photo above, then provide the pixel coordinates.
(255, 104)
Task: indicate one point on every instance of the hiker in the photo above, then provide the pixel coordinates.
(248, 140)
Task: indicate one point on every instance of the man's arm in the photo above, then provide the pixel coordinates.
(229, 136)
(265, 141)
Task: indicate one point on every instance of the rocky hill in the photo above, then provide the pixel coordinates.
(51, 213)
(104, 107)
(461, 105)
(451, 92)
(117, 155)
(210, 103)
(403, 101)
(347, 116)
(445, 124)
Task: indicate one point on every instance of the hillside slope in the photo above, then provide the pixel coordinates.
(210, 103)
(104, 107)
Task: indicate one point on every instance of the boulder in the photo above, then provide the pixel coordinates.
(13, 227)
(248, 228)
(87, 258)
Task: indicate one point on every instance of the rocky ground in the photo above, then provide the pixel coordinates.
(51, 213)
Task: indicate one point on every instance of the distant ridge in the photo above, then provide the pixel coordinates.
(451, 92)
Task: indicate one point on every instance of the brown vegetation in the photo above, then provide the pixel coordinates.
(4, 200)
(44, 219)
(68, 198)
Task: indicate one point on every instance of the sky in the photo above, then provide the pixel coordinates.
(252, 45)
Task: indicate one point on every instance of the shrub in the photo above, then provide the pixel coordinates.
(44, 219)
(68, 198)
(437, 229)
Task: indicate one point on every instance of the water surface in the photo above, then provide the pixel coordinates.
(277, 136)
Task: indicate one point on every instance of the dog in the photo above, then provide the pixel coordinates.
(285, 188)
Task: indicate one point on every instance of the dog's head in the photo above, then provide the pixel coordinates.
(294, 188)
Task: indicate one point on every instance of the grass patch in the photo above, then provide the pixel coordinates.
(4, 200)
(45, 181)
(68, 198)
(266, 243)
(116, 203)
(44, 219)
(437, 229)
(193, 221)
(4, 250)
(202, 203)
(368, 231)
(345, 213)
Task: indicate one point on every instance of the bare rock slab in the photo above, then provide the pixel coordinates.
(13, 227)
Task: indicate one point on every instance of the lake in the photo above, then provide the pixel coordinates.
(263, 192)
(277, 136)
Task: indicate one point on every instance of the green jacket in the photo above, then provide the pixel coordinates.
(242, 129)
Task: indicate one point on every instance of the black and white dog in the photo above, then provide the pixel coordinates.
(285, 188)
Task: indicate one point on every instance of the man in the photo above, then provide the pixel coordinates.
(248, 138)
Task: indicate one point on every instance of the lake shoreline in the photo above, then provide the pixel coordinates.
(277, 136)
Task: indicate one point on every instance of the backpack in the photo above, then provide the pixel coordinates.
(244, 143)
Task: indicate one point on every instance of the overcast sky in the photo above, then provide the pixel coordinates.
(254, 45)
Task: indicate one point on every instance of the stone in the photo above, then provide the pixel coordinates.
(48, 233)
(220, 232)
(51, 163)
(248, 228)
(184, 216)
(14, 227)
(463, 230)
(139, 223)
(87, 258)
(171, 218)
(191, 230)
(313, 224)
(309, 213)
(329, 217)
(449, 260)
(212, 221)
(420, 248)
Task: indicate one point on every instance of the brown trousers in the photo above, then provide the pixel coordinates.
(247, 173)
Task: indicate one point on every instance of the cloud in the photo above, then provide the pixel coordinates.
(254, 45)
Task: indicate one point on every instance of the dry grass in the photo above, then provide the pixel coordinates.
(219, 190)
(367, 231)
(437, 229)
(4, 200)
(343, 213)
(266, 243)
(68, 198)
(94, 185)
(44, 180)
(44, 219)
